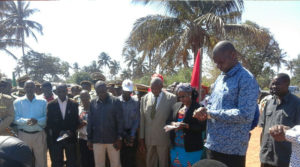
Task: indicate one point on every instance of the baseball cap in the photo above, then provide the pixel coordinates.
(127, 85)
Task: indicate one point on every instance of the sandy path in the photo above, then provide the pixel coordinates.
(252, 158)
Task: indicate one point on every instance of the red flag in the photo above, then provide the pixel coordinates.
(196, 72)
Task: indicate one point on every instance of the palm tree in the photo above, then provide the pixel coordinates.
(104, 60)
(290, 65)
(130, 58)
(16, 21)
(189, 26)
(76, 67)
(126, 74)
(114, 68)
(5, 42)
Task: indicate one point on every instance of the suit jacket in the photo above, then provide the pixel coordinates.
(193, 137)
(56, 124)
(153, 130)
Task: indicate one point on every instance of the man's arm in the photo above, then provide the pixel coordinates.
(10, 116)
(19, 120)
(142, 119)
(42, 120)
(136, 123)
(90, 123)
(119, 118)
(247, 102)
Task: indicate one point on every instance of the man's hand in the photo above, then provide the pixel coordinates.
(142, 147)
(183, 126)
(118, 144)
(82, 124)
(31, 122)
(200, 114)
(129, 141)
(278, 132)
(90, 145)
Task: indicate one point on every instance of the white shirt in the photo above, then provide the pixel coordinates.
(63, 107)
(293, 135)
(158, 98)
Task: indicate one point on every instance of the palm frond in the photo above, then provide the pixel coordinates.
(253, 35)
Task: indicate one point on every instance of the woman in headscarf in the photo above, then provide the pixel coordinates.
(187, 138)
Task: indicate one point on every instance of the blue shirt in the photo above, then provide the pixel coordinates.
(25, 110)
(232, 106)
(131, 115)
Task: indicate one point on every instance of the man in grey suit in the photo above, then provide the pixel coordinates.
(155, 109)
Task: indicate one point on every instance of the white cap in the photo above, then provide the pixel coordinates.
(127, 85)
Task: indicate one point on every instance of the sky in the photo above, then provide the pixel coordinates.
(79, 30)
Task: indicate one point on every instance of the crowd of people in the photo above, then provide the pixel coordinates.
(101, 124)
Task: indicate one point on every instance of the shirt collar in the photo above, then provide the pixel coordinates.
(232, 71)
(34, 98)
(160, 94)
(121, 98)
(286, 97)
(62, 101)
(99, 100)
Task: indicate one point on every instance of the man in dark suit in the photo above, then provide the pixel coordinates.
(62, 123)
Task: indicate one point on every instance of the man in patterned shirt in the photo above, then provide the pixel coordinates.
(231, 108)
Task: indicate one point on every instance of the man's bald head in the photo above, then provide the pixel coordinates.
(223, 46)
(156, 86)
(285, 78)
(280, 85)
(29, 88)
(85, 97)
(225, 56)
(101, 89)
(156, 80)
(30, 82)
(62, 91)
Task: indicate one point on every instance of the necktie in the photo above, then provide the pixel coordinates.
(154, 109)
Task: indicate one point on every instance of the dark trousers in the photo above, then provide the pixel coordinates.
(229, 160)
(128, 155)
(86, 155)
(57, 151)
(267, 165)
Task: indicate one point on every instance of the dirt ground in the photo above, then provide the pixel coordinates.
(252, 158)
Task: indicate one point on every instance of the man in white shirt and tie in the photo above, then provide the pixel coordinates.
(62, 120)
(155, 108)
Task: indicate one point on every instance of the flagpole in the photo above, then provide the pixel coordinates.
(200, 75)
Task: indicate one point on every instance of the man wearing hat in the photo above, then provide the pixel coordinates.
(131, 120)
(118, 88)
(6, 109)
(20, 89)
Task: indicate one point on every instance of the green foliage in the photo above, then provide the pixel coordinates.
(93, 67)
(77, 77)
(16, 24)
(166, 41)
(183, 75)
(145, 79)
(41, 66)
(296, 71)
